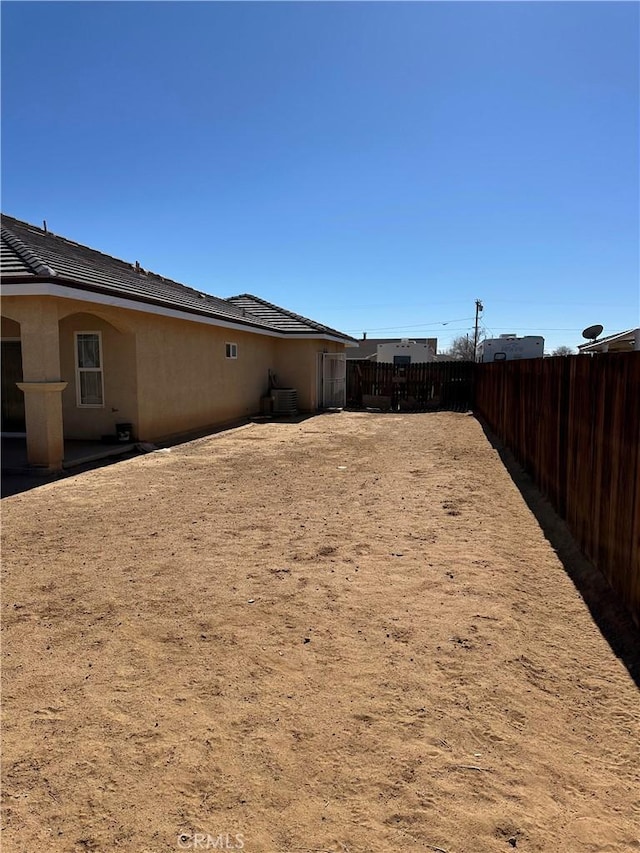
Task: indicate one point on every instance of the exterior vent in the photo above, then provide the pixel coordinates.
(285, 401)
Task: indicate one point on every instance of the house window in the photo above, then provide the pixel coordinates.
(231, 350)
(89, 378)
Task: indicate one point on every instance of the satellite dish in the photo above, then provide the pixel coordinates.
(592, 332)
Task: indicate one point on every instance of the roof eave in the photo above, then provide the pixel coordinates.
(117, 298)
(133, 297)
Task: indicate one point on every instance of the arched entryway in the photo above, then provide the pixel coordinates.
(12, 406)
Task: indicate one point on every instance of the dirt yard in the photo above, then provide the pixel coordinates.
(346, 634)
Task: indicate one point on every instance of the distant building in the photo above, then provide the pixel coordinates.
(620, 342)
(405, 352)
(420, 349)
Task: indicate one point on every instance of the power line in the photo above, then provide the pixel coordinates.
(434, 325)
(420, 326)
(534, 329)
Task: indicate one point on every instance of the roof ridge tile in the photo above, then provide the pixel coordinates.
(26, 254)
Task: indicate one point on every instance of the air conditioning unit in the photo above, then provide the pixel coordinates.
(285, 401)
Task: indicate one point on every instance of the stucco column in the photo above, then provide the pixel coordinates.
(43, 416)
(42, 386)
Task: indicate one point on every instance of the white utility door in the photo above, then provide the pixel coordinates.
(334, 380)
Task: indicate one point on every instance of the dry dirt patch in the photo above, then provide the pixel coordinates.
(344, 634)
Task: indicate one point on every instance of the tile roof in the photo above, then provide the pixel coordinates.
(30, 253)
(18, 259)
(12, 261)
(280, 318)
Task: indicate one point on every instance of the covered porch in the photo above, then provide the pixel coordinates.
(15, 458)
(55, 385)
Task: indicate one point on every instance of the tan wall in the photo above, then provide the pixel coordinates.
(118, 347)
(168, 376)
(185, 381)
(119, 360)
(298, 366)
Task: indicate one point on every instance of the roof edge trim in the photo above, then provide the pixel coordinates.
(56, 288)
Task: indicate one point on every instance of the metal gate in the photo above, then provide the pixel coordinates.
(334, 380)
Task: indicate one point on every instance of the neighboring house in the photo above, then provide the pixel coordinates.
(620, 342)
(369, 347)
(90, 342)
(405, 352)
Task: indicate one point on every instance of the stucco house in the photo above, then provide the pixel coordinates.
(370, 348)
(620, 342)
(90, 342)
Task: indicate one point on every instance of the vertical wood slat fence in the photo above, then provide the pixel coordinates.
(411, 387)
(574, 425)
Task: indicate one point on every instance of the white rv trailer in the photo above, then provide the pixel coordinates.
(405, 352)
(510, 348)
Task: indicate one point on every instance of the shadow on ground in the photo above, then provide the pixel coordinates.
(14, 483)
(608, 612)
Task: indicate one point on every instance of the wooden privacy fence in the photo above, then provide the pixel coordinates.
(574, 425)
(410, 387)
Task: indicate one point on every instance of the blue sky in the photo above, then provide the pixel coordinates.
(375, 166)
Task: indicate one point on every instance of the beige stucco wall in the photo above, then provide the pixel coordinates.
(185, 381)
(119, 359)
(298, 366)
(55, 320)
(166, 376)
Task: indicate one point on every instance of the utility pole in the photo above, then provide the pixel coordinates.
(479, 308)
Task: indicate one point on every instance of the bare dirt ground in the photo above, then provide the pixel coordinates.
(344, 634)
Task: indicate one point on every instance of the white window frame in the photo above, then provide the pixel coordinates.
(80, 370)
(230, 350)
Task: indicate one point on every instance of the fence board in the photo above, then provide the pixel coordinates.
(574, 425)
(411, 387)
